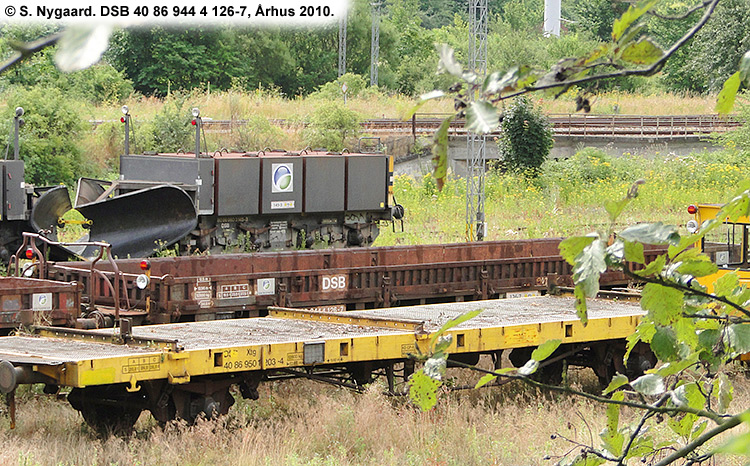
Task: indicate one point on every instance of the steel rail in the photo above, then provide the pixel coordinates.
(665, 126)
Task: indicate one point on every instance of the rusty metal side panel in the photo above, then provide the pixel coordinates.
(210, 287)
(31, 300)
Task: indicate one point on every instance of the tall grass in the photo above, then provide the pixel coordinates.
(568, 197)
(303, 423)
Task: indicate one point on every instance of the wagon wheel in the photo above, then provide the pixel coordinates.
(550, 373)
(108, 410)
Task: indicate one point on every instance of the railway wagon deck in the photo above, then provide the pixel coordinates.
(183, 370)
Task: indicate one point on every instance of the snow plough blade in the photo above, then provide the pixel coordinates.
(49, 208)
(139, 223)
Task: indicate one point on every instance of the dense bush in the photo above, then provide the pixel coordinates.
(330, 125)
(257, 134)
(356, 87)
(738, 138)
(526, 140)
(587, 165)
(49, 141)
(171, 129)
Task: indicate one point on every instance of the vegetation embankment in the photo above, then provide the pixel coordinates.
(60, 145)
(567, 197)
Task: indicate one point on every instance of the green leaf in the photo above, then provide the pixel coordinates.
(643, 52)
(529, 368)
(586, 460)
(481, 117)
(634, 252)
(617, 381)
(423, 390)
(643, 332)
(649, 384)
(724, 393)
(698, 267)
(726, 284)
(442, 343)
(597, 53)
(725, 101)
(440, 152)
(447, 62)
(738, 445)
(545, 350)
(664, 344)
(634, 12)
(686, 333)
(653, 267)
(688, 395)
(487, 378)
(581, 309)
(424, 98)
(737, 207)
(572, 246)
(612, 438)
(458, 320)
(738, 337)
(707, 339)
(745, 68)
(651, 233)
(497, 83)
(590, 264)
(81, 46)
(698, 429)
(663, 304)
(672, 368)
(682, 424)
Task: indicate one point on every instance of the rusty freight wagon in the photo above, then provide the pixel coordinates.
(243, 285)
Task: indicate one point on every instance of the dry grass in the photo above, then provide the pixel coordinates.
(234, 104)
(300, 422)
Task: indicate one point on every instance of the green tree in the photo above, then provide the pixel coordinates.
(715, 53)
(526, 139)
(158, 60)
(594, 17)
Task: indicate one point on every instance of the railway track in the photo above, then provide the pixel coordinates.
(563, 125)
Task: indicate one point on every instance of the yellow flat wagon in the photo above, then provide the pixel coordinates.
(185, 370)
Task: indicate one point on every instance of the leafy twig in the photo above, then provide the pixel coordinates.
(729, 423)
(647, 71)
(717, 418)
(28, 49)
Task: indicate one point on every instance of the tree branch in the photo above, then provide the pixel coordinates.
(687, 289)
(717, 418)
(654, 67)
(729, 423)
(682, 16)
(28, 49)
(644, 418)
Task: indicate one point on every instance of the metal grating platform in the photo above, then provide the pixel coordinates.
(52, 351)
(507, 312)
(269, 330)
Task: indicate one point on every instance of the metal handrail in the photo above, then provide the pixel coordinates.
(29, 242)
